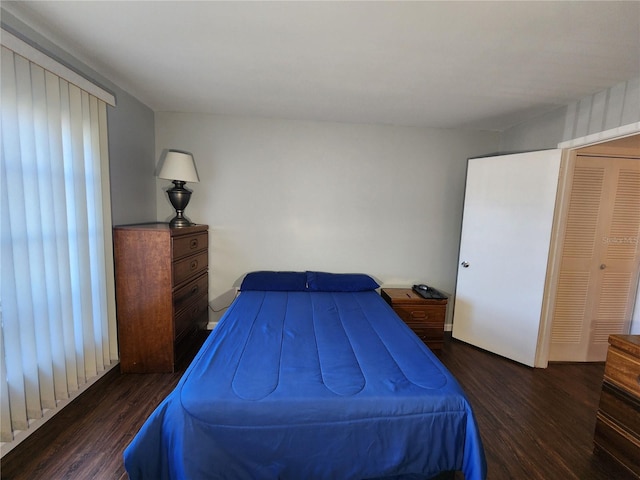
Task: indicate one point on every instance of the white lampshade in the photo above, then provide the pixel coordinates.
(179, 166)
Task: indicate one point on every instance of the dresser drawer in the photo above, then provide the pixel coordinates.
(433, 337)
(183, 296)
(620, 408)
(623, 370)
(188, 319)
(188, 267)
(414, 315)
(189, 244)
(618, 443)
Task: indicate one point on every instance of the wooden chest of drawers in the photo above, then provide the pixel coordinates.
(425, 317)
(617, 430)
(162, 288)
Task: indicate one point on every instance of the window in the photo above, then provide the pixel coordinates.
(57, 306)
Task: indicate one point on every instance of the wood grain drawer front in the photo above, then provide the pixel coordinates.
(187, 320)
(188, 294)
(420, 315)
(189, 244)
(429, 335)
(620, 408)
(618, 443)
(188, 267)
(623, 370)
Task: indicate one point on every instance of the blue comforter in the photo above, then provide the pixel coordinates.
(310, 385)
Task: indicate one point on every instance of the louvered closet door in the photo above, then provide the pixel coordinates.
(600, 259)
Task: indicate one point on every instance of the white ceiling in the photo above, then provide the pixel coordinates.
(487, 65)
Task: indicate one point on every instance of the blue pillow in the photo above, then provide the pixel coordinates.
(340, 282)
(275, 281)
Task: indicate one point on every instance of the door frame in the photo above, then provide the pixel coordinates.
(601, 137)
(570, 151)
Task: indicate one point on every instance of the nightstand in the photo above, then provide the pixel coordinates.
(424, 317)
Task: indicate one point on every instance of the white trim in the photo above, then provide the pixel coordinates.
(618, 132)
(34, 55)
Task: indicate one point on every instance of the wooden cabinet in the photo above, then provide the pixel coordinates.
(424, 317)
(617, 430)
(162, 288)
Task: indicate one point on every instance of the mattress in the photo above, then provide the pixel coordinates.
(310, 385)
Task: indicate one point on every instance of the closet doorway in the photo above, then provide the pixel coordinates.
(549, 252)
(598, 261)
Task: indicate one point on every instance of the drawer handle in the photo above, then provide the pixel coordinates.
(194, 264)
(193, 244)
(194, 290)
(418, 314)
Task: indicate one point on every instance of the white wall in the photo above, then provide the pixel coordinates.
(605, 110)
(131, 161)
(293, 195)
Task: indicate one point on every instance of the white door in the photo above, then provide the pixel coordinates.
(506, 231)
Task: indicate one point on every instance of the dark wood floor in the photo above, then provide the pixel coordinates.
(535, 423)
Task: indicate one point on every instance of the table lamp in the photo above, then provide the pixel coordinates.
(179, 167)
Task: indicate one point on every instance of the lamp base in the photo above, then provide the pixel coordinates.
(179, 198)
(178, 222)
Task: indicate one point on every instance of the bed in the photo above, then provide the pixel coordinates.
(310, 375)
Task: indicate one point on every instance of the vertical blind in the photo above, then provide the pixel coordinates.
(57, 307)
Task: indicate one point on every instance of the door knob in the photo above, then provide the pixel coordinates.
(465, 264)
(602, 266)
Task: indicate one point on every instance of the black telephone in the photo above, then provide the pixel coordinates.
(428, 292)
